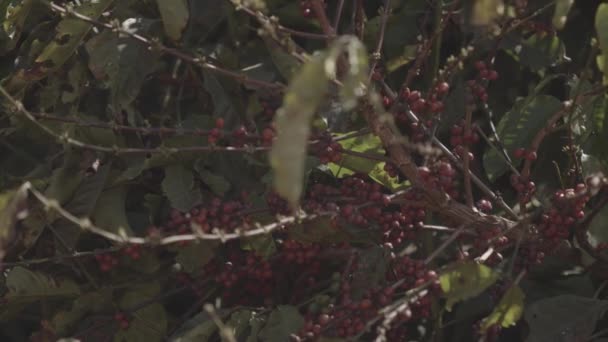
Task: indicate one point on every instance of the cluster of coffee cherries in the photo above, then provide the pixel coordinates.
(306, 8)
(106, 261)
(567, 207)
(459, 139)
(204, 219)
(525, 188)
(244, 277)
(440, 174)
(432, 104)
(327, 150)
(522, 153)
(122, 319)
(477, 86)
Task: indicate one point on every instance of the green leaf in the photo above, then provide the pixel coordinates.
(262, 245)
(465, 280)
(195, 255)
(560, 15)
(179, 186)
(70, 33)
(66, 179)
(26, 287)
(350, 164)
(509, 309)
(484, 12)
(379, 175)
(81, 205)
(116, 61)
(293, 125)
(92, 302)
(198, 328)
(282, 322)
(318, 231)
(601, 27)
(239, 322)
(175, 16)
(518, 127)
(540, 52)
(13, 24)
(110, 211)
(564, 318)
(149, 323)
(286, 63)
(371, 270)
(13, 207)
(217, 183)
(224, 103)
(304, 95)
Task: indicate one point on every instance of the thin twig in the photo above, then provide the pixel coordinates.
(377, 54)
(318, 7)
(338, 15)
(468, 190)
(87, 225)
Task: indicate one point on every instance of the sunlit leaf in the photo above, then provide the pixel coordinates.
(508, 311)
(349, 164)
(465, 280)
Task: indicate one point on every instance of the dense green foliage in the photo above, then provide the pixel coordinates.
(311, 170)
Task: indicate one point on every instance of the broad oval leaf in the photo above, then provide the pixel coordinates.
(304, 95)
(175, 14)
(508, 311)
(13, 207)
(180, 188)
(518, 127)
(282, 322)
(562, 7)
(564, 318)
(70, 33)
(465, 280)
(601, 27)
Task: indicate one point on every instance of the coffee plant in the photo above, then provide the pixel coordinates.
(304, 170)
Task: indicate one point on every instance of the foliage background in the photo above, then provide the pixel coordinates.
(123, 120)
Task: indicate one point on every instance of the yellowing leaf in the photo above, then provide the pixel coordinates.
(562, 7)
(175, 16)
(303, 97)
(508, 311)
(601, 27)
(465, 280)
(12, 208)
(484, 12)
(288, 153)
